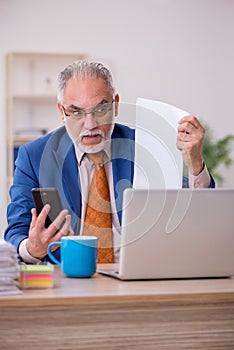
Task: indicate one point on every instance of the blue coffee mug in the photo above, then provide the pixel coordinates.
(78, 255)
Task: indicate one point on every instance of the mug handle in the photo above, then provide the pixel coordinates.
(50, 253)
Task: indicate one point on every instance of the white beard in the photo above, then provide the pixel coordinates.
(90, 149)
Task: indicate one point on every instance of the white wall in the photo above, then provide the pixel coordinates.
(177, 51)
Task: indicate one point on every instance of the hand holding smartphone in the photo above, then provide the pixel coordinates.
(47, 195)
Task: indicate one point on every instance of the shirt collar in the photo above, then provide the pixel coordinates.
(107, 149)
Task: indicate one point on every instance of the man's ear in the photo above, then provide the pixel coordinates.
(60, 110)
(116, 104)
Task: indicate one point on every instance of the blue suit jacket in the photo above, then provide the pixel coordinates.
(50, 161)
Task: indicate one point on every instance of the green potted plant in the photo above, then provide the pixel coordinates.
(217, 152)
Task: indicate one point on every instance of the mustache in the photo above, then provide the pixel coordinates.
(91, 133)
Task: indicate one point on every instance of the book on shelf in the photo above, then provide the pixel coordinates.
(22, 136)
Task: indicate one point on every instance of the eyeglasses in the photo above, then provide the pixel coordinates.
(98, 111)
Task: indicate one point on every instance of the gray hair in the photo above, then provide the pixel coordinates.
(84, 69)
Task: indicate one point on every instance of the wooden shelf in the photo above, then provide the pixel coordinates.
(31, 96)
(35, 98)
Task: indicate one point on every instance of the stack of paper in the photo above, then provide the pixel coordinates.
(9, 269)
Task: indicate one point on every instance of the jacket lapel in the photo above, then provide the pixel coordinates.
(70, 185)
(123, 169)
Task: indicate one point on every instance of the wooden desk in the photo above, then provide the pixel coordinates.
(101, 313)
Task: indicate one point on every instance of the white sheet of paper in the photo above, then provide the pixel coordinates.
(158, 163)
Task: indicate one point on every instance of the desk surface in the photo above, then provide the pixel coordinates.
(105, 313)
(101, 289)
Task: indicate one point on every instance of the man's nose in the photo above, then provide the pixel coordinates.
(90, 121)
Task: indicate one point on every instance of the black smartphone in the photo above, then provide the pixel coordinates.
(47, 195)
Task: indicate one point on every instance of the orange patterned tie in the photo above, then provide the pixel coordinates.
(98, 218)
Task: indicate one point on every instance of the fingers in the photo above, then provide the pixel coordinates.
(38, 223)
(64, 229)
(188, 137)
(190, 130)
(40, 236)
(34, 218)
(185, 128)
(190, 124)
(58, 222)
(65, 225)
(59, 227)
(42, 217)
(180, 145)
(190, 119)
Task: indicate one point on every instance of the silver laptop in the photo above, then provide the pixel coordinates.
(176, 234)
